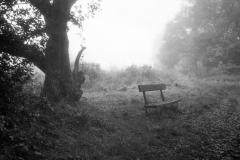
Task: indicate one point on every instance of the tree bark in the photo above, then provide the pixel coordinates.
(59, 80)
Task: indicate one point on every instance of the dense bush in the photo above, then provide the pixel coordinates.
(93, 73)
(14, 72)
(134, 74)
(97, 78)
(23, 128)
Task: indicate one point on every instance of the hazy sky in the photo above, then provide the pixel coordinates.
(124, 32)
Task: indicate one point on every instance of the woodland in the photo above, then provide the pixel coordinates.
(55, 109)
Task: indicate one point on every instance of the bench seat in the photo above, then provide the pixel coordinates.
(155, 87)
(164, 103)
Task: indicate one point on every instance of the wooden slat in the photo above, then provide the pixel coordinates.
(154, 105)
(151, 87)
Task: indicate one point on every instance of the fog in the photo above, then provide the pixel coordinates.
(123, 33)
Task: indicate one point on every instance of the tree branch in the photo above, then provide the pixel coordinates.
(42, 5)
(12, 45)
(76, 64)
(71, 2)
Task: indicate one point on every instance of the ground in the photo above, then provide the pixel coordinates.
(112, 124)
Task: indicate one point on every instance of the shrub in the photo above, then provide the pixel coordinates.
(93, 73)
(23, 127)
(14, 72)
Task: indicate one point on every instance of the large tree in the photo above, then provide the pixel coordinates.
(37, 30)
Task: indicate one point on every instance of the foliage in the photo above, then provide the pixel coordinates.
(97, 78)
(14, 72)
(205, 34)
(18, 136)
(27, 123)
(37, 31)
(93, 73)
(134, 74)
(106, 125)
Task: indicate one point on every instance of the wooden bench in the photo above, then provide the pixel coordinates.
(155, 87)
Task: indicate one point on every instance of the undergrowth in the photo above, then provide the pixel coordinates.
(110, 124)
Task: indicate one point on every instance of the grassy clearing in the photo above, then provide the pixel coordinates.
(112, 125)
(109, 122)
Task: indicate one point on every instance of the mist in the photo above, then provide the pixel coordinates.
(124, 33)
(119, 79)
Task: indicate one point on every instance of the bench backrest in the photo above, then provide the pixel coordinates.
(151, 87)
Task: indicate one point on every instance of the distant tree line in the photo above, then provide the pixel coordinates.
(205, 34)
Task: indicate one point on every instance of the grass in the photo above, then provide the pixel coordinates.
(113, 125)
(109, 122)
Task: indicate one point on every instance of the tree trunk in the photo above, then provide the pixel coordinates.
(59, 81)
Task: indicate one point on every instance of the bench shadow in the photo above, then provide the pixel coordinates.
(168, 112)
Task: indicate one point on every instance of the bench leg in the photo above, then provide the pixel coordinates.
(146, 111)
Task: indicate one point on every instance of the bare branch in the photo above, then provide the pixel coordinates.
(76, 64)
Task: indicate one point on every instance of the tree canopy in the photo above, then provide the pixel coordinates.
(204, 33)
(37, 30)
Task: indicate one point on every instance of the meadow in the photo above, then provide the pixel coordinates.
(109, 121)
